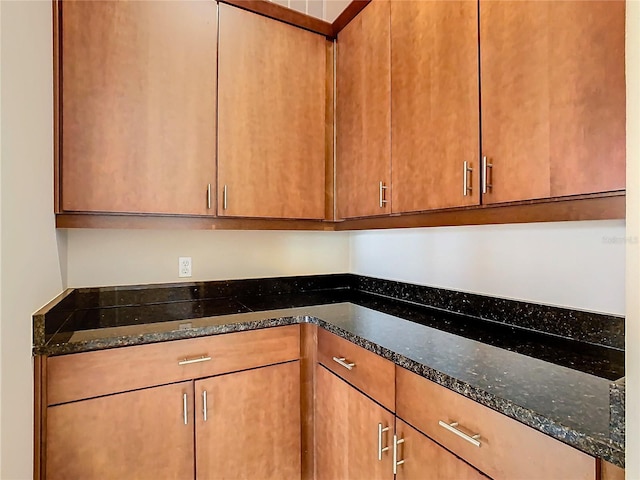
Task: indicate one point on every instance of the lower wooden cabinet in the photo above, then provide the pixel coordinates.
(248, 424)
(144, 434)
(420, 458)
(353, 433)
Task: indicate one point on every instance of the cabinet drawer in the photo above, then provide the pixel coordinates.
(367, 371)
(508, 449)
(91, 374)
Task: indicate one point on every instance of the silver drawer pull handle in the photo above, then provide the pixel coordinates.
(472, 439)
(380, 448)
(194, 360)
(342, 361)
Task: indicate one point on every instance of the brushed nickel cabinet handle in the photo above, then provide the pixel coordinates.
(472, 439)
(204, 405)
(184, 408)
(466, 186)
(380, 448)
(396, 462)
(189, 361)
(209, 196)
(342, 361)
(485, 175)
(383, 200)
(224, 198)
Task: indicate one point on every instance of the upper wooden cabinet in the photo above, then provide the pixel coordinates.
(434, 105)
(363, 114)
(138, 100)
(553, 98)
(271, 110)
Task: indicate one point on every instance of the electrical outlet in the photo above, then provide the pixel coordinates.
(184, 266)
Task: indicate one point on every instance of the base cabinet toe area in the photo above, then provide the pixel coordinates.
(242, 413)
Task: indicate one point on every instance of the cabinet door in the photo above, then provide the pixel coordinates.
(363, 114)
(142, 434)
(271, 144)
(434, 105)
(347, 432)
(553, 97)
(252, 424)
(138, 98)
(423, 458)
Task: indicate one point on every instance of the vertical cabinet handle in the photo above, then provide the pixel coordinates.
(396, 462)
(381, 449)
(466, 184)
(204, 405)
(383, 200)
(485, 175)
(184, 409)
(224, 198)
(209, 196)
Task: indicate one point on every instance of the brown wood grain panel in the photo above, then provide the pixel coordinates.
(329, 147)
(364, 417)
(371, 373)
(426, 459)
(423, 404)
(253, 424)
(90, 374)
(600, 207)
(332, 426)
(514, 51)
(347, 15)
(138, 105)
(553, 102)
(57, 107)
(271, 110)
(347, 432)
(180, 222)
(39, 417)
(363, 113)
(588, 100)
(609, 471)
(278, 12)
(138, 434)
(434, 104)
(308, 358)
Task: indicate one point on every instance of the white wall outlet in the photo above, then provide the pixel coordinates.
(184, 266)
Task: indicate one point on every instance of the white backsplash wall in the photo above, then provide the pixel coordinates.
(572, 264)
(128, 257)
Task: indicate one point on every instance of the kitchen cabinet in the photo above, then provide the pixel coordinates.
(363, 114)
(248, 424)
(483, 437)
(271, 111)
(137, 100)
(141, 434)
(418, 457)
(435, 105)
(353, 433)
(553, 98)
(108, 415)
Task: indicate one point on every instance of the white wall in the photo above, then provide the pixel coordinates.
(573, 264)
(30, 274)
(633, 233)
(120, 257)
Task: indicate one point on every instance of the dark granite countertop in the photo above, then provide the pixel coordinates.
(557, 385)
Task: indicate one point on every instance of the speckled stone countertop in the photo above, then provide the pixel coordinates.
(558, 386)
